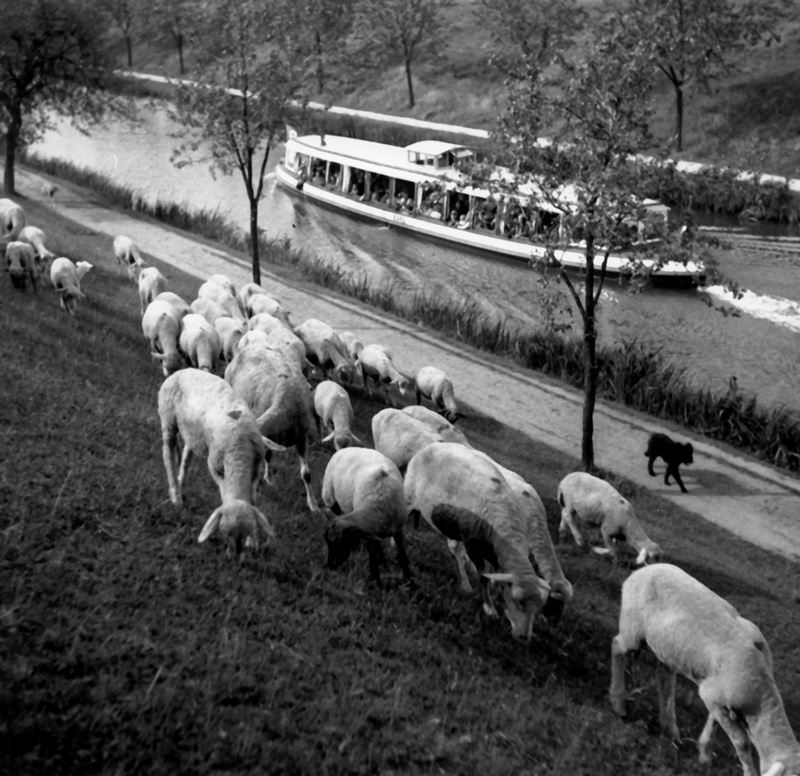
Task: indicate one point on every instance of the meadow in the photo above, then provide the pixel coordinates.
(127, 647)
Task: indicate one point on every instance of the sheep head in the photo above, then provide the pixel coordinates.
(240, 523)
(523, 601)
(649, 553)
(170, 362)
(343, 439)
(340, 542)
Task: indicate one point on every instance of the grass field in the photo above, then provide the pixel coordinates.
(127, 647)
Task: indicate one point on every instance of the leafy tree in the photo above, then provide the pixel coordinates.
(51, 63)
(327, 23)
(125, 15)
(385, 28)
(693, 41)
(170, 17)
(528, 31)
(251, 66)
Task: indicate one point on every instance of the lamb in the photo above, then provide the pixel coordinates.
(335, 413)
(212, 421)
(694, 632)
(246, 293)
(34, 236)
(363, 493)
(324, 348)
(66, 278)
(434, 384)
(127, 254)
(230, 331)
(352, 343)
(223, 281)
(209, 309)
(400, 437)
(277, 393)
(200, 342)
(12, 219)
(161, 324)
(595, 502)
(223, 297)
(23, 265)
(178, 303)
(463, 496)
(151, 284)
(673, 454)
(261, 303)
(437, 423)
(376, 364)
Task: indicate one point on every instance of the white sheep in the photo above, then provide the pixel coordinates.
(262, 303)
(66, 278)
(35, 237)
(252, 339)
(224, 282)
(212, 421)
(219, 294)
(49, 189)
(363, 493)
(594, 502)
(463, 496)
(400, 437)
(288, 343)
(437, 423)
(246, 292)
(127, 254)
(694, 632)
(178, 303)
(151, 284)
(334, 413)
(278, 395)
(200, 342)
(435, 385)
(230, 332)
(209, 309)
(161, 324)
(376, 364)
(12, 219)
(265, 322)
(325, 349)
(23, 264)
(353, 344)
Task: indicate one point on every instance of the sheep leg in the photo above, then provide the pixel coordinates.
(705, 739)
(169, 451)
(402, 558)
(617, 689)
(488, 604)
(459, 553)
(567, 522)
(186, 460)
(665, 678)
(734, 729)
(305, 475)
(376, 556)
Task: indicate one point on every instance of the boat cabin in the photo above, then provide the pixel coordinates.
(438, 154)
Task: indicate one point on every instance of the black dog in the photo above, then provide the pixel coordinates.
(673, 454)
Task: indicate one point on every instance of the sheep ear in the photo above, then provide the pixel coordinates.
(497, 577)
(777, 769)
(329, 437)
(263, 523)
(158, 356)
(641, 558)
(601, 550)
(273, 445)
(354, 439)
(235, 414)
(212, 524)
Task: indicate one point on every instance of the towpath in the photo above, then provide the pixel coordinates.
(758, 503)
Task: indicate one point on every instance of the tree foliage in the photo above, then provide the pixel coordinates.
(126, 16)
(51, 63)
(170, 19)
(384, 29)
(691, 41)
(251, 66)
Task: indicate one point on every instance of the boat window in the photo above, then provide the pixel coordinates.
(432, 202)
(379, 188)
(404, 195)
(358, 183)
(301, 162)
(318, 171)
(334, 179)
(516, 221)
(485, 213)
(460, 215)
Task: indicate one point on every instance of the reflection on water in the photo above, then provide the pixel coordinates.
(760, 351)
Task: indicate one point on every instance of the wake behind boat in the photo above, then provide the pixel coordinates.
(419, 189)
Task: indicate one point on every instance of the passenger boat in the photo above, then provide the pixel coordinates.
(419, 188)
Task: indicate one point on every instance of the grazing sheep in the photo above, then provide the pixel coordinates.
(434, 384)
(151, 284)
(12, 219)
(178, 303)
(230, 332)
(212, 421)
(223, 297)
(335, 413)
(34, 236)
(437, 423)
(465, 497)
(376, 364)
(595, 502)
(261, 303)
(23, 264)
(49, 189)
(400, 437)
(251, 339)
(246, 293)
(288, 343)
(223, 281)
(325, 349)
(673, 454)
(162, 325)
(66, 278)
(127, 254)
(278, 394)
(694, 632)
(209, 309)
(266, 323)
(352, 343)
(200, 342)
(364, 492)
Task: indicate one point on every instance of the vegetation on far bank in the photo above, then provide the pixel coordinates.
(126, 646)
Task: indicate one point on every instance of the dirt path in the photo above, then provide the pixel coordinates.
(756, 502)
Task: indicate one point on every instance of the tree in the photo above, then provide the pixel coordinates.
(396, 27)
(327, 23)
(692, 41)
(527, 31)
(51, 63)
(125, 15)
(596, 111)
(170, 17)
(251, 67)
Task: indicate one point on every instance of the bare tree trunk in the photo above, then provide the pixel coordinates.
(678, 116)
(256, 261)
(12, 141)
(129, 46)
(410, 84)
(320, 66)
(179, 40)
(589, 361)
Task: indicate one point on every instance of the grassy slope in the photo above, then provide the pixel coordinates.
(127, 647)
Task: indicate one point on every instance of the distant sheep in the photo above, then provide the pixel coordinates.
(400, 437)
(35, 237)
(261, 303)
(209, 309)
(224, 298)
(66, 279)
(161, 324)
(23, 265)
(673, 454)
(127, 254)
(324, 348)
(334, 412)
(230, 332)
(435, 385)
(223, 281)
(265, 322)
(437, 423)
(200, 342)
(352, 343)
(246, 293)
(694, 632)
(12, 219)
(376, 365)
(178, 303)
(363, 493)
(213, 422)
(151, 284)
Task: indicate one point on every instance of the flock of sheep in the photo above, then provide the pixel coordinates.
(241, 382)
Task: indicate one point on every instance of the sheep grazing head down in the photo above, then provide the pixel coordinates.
(241, 524)
(340, 542)
(346, 374)
(523, 602)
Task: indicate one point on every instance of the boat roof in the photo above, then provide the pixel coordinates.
(434, 147)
